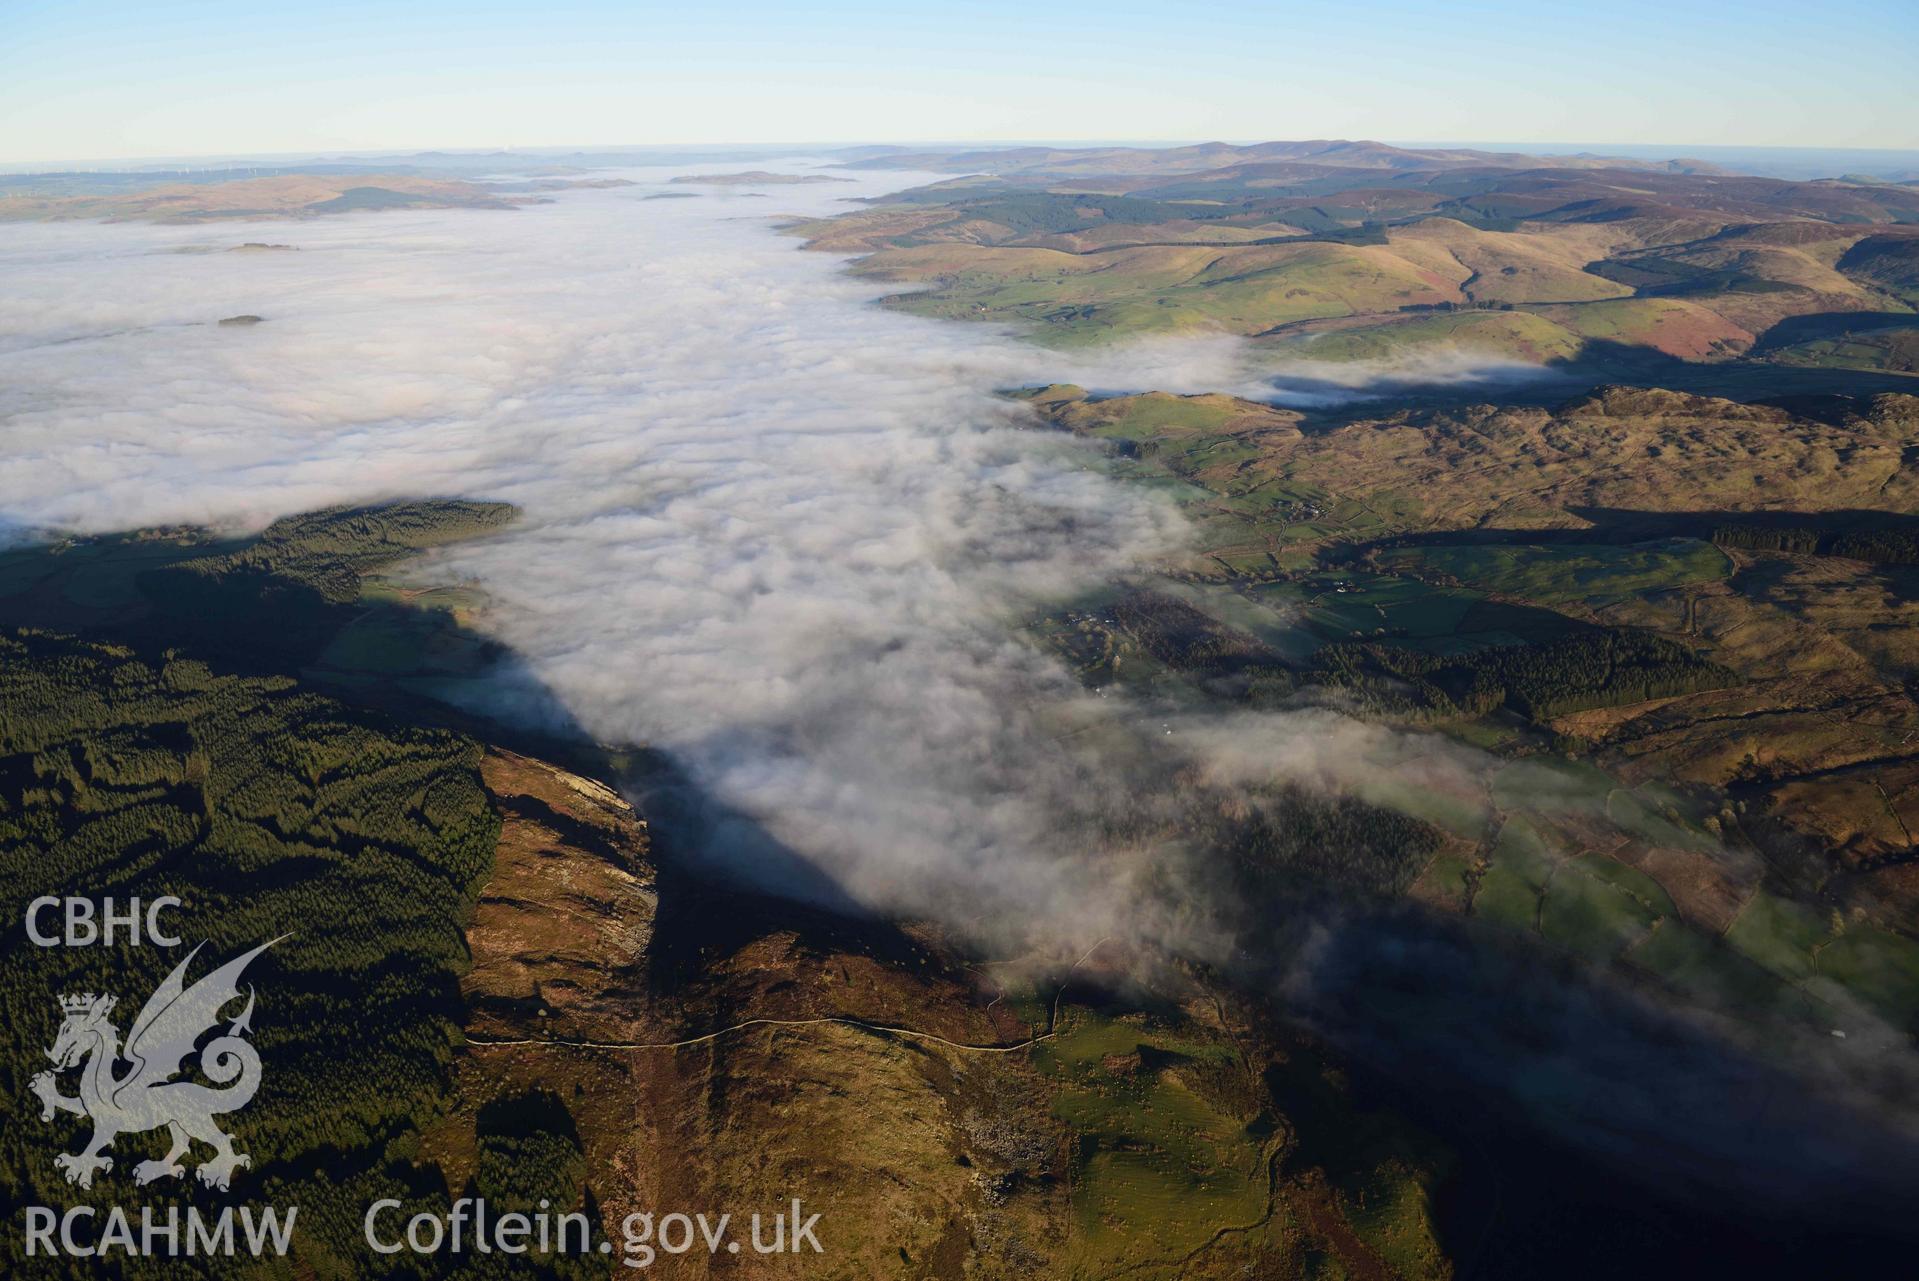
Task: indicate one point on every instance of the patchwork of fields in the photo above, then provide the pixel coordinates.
(1358, 252)
(1677, 721)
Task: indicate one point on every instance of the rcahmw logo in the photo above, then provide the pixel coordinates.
(131, 1089)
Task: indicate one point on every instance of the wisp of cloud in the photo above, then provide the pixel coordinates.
(774, 532)
(781, 535)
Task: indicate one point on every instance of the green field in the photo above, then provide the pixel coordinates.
(1366, 605)
(1780, 935)
(1078, 299)
(1168, 1155)
(1891, 350)
(1514, 335)
(1557, 575)
(1598, 908)
(1705, 970)
(1519, 868)
(1877, 966)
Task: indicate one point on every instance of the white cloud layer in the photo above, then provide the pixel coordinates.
(770, 529)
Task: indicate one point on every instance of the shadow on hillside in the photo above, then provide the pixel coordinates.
(1830, 324)
(398, 655)
(1824, 394)
(1602, 362)
(1470, 1037)
(1818, 393)
(1623, 525)
(1583, 1112)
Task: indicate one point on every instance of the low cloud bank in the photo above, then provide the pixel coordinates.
(770, 529)
(780, 534)
(774, 531)
(1288, 377)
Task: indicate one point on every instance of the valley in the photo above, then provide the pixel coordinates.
(617, 1025)
(1355, 251)
(1354, 824)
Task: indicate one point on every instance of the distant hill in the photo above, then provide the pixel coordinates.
(758, 178)
(1360, 250)
(1337, 153)
(200, 198)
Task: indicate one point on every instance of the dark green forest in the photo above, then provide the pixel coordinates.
(269, 811)
(1599, 667)
(135, 764)
(287, 592)
(1886, 546)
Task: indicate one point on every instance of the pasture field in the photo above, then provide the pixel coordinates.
(1166, 1158)
(1590, 575)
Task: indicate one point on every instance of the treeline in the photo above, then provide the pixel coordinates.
(289, 591)
(1185, 638)
(1471, 304)
(331, 549)
(1291, 841)
(269, 811)
(1584, 668)
(531, 1161)
(1050, 212)
(1884, 546)
(1602, 667)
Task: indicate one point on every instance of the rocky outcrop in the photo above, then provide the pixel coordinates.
(560, 931)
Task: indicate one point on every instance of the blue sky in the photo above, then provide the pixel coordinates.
(126, 78)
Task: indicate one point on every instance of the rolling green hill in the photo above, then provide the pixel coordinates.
(239, 723)
(1340, 251)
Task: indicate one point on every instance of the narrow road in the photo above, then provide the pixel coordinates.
(1052, 1024)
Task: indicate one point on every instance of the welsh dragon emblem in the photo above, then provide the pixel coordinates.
(143, 1096)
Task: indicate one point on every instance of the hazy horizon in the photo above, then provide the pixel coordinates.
(1783, 161)
(124, 80)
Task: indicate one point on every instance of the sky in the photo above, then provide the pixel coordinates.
(111, 79)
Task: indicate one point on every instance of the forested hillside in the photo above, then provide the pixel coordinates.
(269, 811)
